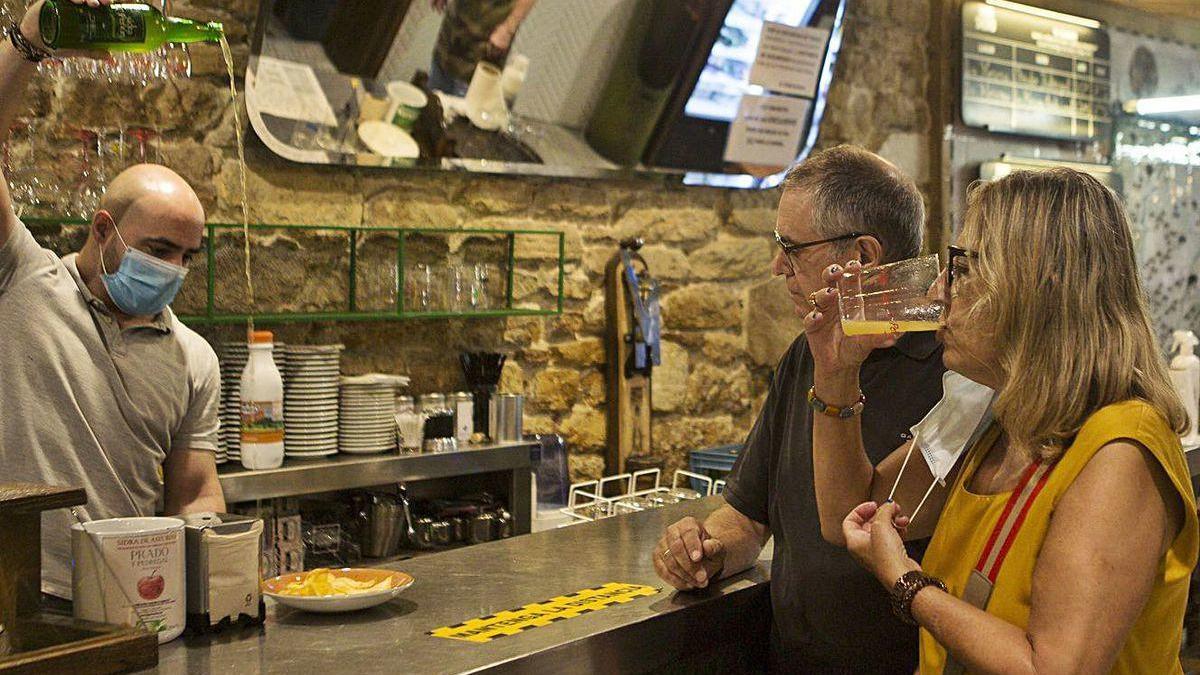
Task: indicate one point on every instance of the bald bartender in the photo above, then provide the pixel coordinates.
(101, 386)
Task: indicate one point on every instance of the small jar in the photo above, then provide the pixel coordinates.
(405, 404)
(463, 405)
(431, 403)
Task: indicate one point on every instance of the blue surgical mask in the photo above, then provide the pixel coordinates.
(143, 285)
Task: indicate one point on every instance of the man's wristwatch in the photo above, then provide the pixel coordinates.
(906, 588)
(31, 52)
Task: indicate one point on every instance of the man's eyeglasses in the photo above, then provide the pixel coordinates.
(957, 265)
(791, 248)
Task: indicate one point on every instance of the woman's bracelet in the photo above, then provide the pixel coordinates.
(906, 589)
(842, 412)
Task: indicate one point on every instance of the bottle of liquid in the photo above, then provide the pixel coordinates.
(1185, 375)
(262, 405)
(124, 27)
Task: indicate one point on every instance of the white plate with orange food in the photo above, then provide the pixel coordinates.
(336, 590)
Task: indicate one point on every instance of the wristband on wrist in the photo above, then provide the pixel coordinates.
(906, 589)
(842, 412)
(29, 51)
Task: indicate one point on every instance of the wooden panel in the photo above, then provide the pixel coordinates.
(32, 497)
(66, 646)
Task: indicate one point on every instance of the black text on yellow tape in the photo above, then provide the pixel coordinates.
(513, 621)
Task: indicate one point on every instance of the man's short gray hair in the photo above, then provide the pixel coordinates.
(854, 190)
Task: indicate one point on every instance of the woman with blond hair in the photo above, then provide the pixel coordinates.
(1067, 538)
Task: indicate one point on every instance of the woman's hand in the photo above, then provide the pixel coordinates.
(875, 538)
(833, 352)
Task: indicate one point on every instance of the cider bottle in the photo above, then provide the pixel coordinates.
(124, 27)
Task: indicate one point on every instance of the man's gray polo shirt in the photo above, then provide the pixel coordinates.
(84, 403)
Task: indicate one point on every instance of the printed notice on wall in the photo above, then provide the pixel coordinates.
(766, 130)
(789, 59)
(290, 90)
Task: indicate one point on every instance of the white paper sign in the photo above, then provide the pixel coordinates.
(766, 130)
(290, 90)
(789, 59)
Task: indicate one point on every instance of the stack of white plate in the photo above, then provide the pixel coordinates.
(232, 356)
(310, 400)
(367, 419)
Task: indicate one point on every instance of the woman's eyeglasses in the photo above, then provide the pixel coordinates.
(957, 266)
(791, 248)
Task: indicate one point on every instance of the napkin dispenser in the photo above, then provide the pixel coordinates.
(223, 588)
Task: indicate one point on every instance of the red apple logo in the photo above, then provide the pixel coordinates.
(151, 587)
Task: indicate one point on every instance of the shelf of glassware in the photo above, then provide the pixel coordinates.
(349, 250)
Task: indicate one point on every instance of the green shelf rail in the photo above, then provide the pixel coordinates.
(356, 234)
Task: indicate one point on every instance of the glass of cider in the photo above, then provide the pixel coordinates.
(899, 297)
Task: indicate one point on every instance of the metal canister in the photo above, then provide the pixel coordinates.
(431, 402)
(463, 405)
(507, 417)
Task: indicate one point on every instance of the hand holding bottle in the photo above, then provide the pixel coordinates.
(32, 31)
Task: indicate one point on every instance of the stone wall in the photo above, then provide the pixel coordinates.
(726, 321)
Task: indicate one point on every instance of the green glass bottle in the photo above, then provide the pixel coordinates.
(125, 27)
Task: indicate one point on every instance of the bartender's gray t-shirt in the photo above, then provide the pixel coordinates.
(84, 403)
(831, 616)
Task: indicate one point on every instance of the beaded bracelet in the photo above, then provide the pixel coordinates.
(833, 410)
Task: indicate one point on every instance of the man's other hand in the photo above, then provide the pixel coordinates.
(687, 557)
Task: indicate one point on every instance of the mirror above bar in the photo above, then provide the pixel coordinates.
(718, 92)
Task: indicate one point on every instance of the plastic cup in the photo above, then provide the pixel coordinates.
(899, 297)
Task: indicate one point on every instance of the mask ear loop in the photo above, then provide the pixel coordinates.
(903, 466)
(900, 475)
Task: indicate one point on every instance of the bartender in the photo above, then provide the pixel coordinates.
(473, 31)
(103, 388)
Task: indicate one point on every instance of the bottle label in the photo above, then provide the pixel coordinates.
(113, 25)
(262, 421)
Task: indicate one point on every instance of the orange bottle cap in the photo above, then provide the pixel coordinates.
(261, 337)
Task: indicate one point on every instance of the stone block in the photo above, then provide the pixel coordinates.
(512, 378)
(593, 389)
(288, 194)
(712, 388)
(555, 389)
(723, 348)
(771, 322)
(585, 429)
(702, 306)
(671, 378)
(585, 466)
(488, 195)
(680, 435)
(666, 262)
(572, 199)
(674, 226)
(581, 353)
(733, 258)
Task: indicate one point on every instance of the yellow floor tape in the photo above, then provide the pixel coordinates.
(513, 621)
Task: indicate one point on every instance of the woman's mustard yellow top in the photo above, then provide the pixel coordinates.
(968, 519)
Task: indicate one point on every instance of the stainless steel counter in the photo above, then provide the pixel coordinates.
(722, 628)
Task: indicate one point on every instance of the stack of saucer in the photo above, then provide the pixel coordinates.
(367, 418)
(310, 400)
(232, 355)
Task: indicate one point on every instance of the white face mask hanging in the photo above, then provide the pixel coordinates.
(963, 413)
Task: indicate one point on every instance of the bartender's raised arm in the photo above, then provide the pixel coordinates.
(843, 475)
(15, 73)
(16, 69)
